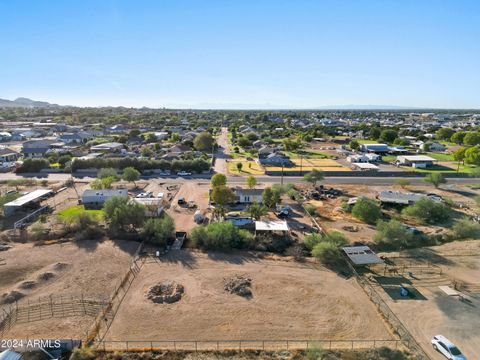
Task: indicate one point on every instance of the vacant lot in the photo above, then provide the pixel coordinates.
(88, 267)
(305, 164)
(289, 301)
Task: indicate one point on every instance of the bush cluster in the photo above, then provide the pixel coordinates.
(220, 236)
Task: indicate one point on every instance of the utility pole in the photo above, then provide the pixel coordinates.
(282, 173)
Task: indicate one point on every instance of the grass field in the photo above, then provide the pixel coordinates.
(311, 154)
(73, 211)
(367, 141)
(249, 167)
(441, 156)
(310, 164)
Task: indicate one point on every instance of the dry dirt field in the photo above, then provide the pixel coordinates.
(290, 301)
(88, 267)
(433, 312)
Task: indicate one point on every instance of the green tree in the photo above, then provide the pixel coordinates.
(393, 234)
(270, 197)
(159, 231)
(366, 210)
(251, 182)
(218, 180)
(314, 176)
(388, 135)
(64, 159)
(131, 174)
(123, 215)
(459, 154)
(436, 179)
(354, 145)
(327, 248)
(444, 133)
(220, 236)
(203, 142)
(375, 133)
(311, 209)
(458, 137)
(472, 155)
(428, 211)
(472, 139)
(175, 137)
(222, 196)
(256, 211)
(239, 166)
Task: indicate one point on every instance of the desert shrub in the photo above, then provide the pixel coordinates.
(38, 230)
(220, 236)
(83, 354)
(159, 231)
(466, 229)
(85, 226)
(8, 197)
(314, 352)
(311, 209)
(107, 172)
(367, 210)
(428, 211)
(393, 234)
(326, 248)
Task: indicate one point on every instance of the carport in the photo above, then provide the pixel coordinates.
(34, 197)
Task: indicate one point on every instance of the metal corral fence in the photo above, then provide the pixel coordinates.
(395, 323)
(105, 317)
(61, 306)
(240, 345)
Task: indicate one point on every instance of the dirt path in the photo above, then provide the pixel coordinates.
(222, 153)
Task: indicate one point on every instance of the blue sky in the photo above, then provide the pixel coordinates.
(242, 54)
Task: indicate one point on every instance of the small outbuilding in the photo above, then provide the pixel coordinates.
(272, 226)
(31, 199)
(361, 255)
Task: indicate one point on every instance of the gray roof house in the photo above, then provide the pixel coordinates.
(275, 159)
(96, 198)
(37, 148)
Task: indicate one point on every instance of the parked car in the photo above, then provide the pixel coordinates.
(164, 173)
(144, 195)
(181, 201)
(447, 348)
(184, 173)
(160, 195)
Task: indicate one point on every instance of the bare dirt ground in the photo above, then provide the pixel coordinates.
(88, 267)
(433, 312)
(183, 216)
(289, 301)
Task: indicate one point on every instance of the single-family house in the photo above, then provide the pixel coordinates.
(109, 147)
(248, 196)
(433, 146)
(97, 198)
(8, 155)
(275, 159)
(37, 148)
(179, 149)
(259, 144)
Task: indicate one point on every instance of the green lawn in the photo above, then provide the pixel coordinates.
(73, 211)
(441, 156)
(367, 142)
(388, 158)
(309, 154)
(439, 168)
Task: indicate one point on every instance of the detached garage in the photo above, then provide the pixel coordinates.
(415, 161)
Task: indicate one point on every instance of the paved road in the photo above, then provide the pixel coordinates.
(222, 153)
(374, 180)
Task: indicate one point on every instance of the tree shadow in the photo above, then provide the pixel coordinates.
(392, 286)
(182, 257)
(236, 257)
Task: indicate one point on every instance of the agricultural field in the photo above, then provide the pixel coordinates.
(288, 300)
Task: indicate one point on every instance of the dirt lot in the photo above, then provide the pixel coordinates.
(433, 312)
(289, 301)
(88, 267)
(183, 216)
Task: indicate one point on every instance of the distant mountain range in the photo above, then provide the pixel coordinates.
(25, 102)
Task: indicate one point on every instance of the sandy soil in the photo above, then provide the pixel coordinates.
(88, 267)
(434, 312)
(290, 301)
